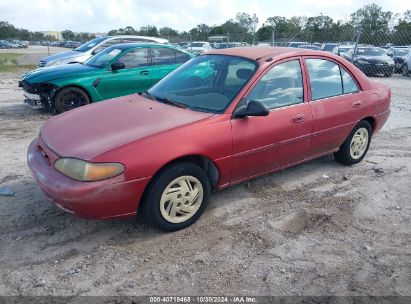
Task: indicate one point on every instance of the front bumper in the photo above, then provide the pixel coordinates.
(376, 68)
(105, 199)
(38, 95)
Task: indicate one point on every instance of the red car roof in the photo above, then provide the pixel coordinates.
(255, 53)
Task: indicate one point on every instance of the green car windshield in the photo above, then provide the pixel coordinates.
(88, 45)
(206, 83)
(103, 58)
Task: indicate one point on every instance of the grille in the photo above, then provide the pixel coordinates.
(41, 64)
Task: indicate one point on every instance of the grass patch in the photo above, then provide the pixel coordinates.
(9, 63)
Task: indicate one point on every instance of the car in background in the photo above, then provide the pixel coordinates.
(92, 47)
(198, 47)
(398, 54)
(296, 44)
(371, 61)
(328, 47)
(406, 67)
(260, 110)
(118, 70)
(342, 49)
(4, 44)
(309, 47)
(15, 44)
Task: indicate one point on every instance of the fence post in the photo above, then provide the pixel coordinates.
(356, 45)
(272, 37)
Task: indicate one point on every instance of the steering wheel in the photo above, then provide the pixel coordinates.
(230, 92)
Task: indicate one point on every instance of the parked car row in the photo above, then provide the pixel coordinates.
(118, 70)
(220, 119)
(92, 47)
(13, 44)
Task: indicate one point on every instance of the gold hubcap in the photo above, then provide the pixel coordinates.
(181, 199)
(359, 143)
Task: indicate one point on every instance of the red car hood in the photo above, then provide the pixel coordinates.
(97, 128)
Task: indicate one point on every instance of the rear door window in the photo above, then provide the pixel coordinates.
(325, 78)
(163, 56)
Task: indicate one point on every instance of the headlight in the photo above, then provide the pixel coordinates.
(362, 61)
(87, 172)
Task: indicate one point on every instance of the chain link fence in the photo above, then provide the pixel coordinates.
(374, 52)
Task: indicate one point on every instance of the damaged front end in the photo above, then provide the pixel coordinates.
(38, 95)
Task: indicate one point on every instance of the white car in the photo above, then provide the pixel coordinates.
(199, 47)
(92, 47)
(406, 68)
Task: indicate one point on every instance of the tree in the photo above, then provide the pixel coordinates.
(37, 36)
(264, 33)
(248, 23)
(402, 31)
(68, 35)
(148, 30)
(7, 30)
(167, 32)
(373, 22)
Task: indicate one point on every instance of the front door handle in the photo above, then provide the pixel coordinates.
(356, 103)
(297, 118)
(145, 72)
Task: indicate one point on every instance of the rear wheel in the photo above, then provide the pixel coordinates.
(405, 71)
(355, 147)
(70, 98)
(177, 197)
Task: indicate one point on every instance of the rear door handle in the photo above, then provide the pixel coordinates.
(297, 118)
(145, 72)
(356, 103)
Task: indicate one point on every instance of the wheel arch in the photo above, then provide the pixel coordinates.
(371, 121)
(74, 86)
(203, 162)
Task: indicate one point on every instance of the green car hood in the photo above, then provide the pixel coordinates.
(62, 71)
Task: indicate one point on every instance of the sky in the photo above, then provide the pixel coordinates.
(104, 15)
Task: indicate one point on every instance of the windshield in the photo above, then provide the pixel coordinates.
(88, 45)
(329, 47)
(206, 83)
(401, 52)
(344, 49)
(370, 52)
(197, 44)
(103, 58)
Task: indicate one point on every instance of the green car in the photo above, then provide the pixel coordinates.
(119, 70)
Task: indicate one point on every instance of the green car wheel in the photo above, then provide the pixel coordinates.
(70, 98)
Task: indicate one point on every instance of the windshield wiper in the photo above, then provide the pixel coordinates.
(163, 100)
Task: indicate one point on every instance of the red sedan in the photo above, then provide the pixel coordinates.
(220, 119)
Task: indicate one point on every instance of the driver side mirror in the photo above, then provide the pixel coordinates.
(117, 66)
(253, 108)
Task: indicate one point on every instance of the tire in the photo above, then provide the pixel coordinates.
(70, 98)
(389, 74)
(160, 200)
(405, 71)
(353, 150)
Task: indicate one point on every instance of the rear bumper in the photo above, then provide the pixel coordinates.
(106, 199)
(380, 120)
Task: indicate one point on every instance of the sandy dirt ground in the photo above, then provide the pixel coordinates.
(319, 228)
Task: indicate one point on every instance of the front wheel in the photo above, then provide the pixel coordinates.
(177, 197)
(355, 147)
(70, 98)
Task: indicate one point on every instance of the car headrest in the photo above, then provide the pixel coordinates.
(244, 73)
